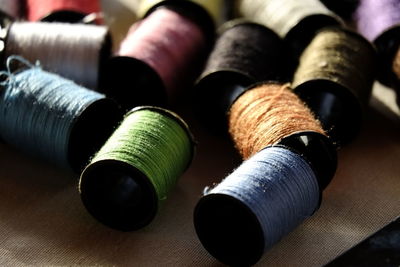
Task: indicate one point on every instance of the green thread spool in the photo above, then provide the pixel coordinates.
(131, 175)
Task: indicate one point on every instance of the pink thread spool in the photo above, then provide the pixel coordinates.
(60, 10)
(160, 54)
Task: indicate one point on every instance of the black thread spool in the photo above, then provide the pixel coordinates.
(378, 21)
(75, 51)
(244, 53)
(335, 78)
(295, 21)
(147, 87)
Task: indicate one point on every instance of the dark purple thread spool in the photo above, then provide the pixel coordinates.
(244, 53)
(379, 22)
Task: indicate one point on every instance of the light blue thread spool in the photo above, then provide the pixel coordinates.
(52, 117)
(254, 207)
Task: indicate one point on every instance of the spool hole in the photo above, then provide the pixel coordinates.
(118, 195)
(228, 230)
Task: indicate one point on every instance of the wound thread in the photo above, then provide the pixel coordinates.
(75, 51)
(53, 118)
(168, 42)
(335, 78)
(295, 21)
(39, 9)
(254, 207)
(249, 49)
(148, 152)
(265, 114)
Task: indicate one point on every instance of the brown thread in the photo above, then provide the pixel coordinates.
(265, 114)
(340, 56)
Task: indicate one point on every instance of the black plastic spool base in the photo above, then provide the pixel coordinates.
(90, 131)
(387, 45)
(118, 195)
(338, 110)
(229, 230)
(214, 95)
(66, 16)
(131, 83)
(301, 35)
(319, 152)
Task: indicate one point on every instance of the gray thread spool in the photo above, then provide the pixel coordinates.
(75, 51)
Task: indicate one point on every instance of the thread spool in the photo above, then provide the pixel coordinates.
(335, 78)
(162, 53)
(295, 21)
(379, 22)
(11, 8)
(289, 161)
(74, 51)
(52, 117)
(131, 175)
(60, 10)
(243, 54)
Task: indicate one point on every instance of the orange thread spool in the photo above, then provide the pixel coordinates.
(265, 114)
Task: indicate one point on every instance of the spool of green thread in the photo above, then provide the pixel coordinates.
(131, 175)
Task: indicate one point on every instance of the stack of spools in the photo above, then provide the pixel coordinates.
(287, 80)
(128, 165)
(286, 136)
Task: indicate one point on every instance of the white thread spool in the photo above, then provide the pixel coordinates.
(74, 51)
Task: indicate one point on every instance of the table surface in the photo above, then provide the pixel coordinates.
(43, 222)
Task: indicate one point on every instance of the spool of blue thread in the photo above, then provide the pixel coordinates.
(52, 117)
(265, 198)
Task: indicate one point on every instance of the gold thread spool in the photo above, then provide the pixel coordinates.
(265, 114)
(213, 7)
(340, 56)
